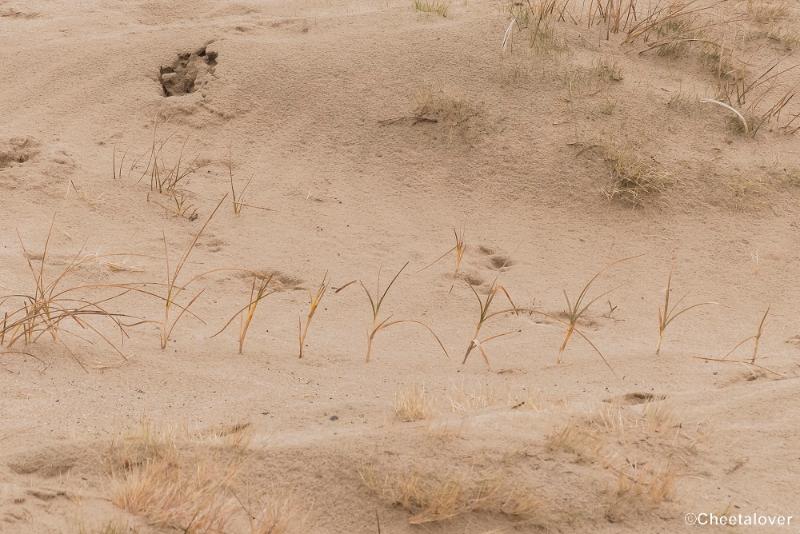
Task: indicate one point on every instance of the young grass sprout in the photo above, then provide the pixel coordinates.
(576, 310)
(174, 289)
(378, 324)
(315, 299)
(237, 197)
(484, 316)
(259, 290)
(667, 313)
(459, 249)
(756, 339)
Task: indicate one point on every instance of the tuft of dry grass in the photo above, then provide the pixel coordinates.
(55, 303)
(379, 324)
(108, 527)
(412, 404)
(438, 496)
(576, 310)
(163, 175)
(485, 315)
(634, 178)
(607, 69)
(186, 481)
(192, 499)
(439, 106)
(174, 288)
(767, 11)
(237, 197)
(640, 488)
(667, 313)
(259, 290)
(755, 338)
(538, 19)
(459, 249)
(436, 7)
(314, 301)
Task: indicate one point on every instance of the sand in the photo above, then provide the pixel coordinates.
(368, 132)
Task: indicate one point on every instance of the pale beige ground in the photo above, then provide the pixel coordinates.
(298, 95)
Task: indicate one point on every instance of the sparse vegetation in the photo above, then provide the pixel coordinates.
(174, 288)
(576, 310)
(459, 249)
(437, 7)
(259, 290)
(314, 301)
(634, 178)
(439, 496)
(667, 313)
(54, 304)
(485, 315)
(378, 324)
(756, 339)
(412, 404)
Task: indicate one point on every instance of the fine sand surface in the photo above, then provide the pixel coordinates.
(371, 131)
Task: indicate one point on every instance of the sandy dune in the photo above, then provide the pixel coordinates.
(353, 137)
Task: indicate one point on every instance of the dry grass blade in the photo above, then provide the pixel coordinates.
(756, 338)
(173, 288)
(259, 290)
(667, 313)
(459, 249)
(315, 299)
(576, 310)
(237, 197)
(163, 176)
(485, 314)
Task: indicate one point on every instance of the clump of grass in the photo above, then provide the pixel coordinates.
(277, 516)
(433, 497)
(681, 100)
(437, 7)
(485, 315)
(576, 310)
(165, 176)
(641, 487)
(459, 249)
(665, 18)
(379, 324)
(634, 178)
(192, 499)
(538, 18)
(54, 304)
(315, 299)
(185, 481)
(108, 527)
(180, 205)
(608, 70)
(667, 313)
(439, 106)
(412, 404)
(259, 290)
(767, 11)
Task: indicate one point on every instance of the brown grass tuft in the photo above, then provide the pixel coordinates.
(434, 496)
(412, 404)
